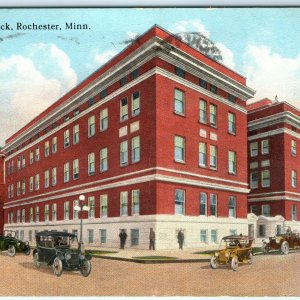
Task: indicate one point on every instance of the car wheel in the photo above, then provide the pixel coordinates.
(86, 267)
(11, 251)
(234, 263)
(36, 262)
(213, 262)
(27, 252)
(285, 247)
(265, 248)
(250, 258)
(57, 267)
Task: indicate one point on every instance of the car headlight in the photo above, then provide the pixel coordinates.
(27, 243)
(216, 254)
(18, 243)
(67, 255)
(227, 254)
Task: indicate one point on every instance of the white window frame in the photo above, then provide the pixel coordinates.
(213, 159)
(179, 147)
(91, 126)
(47, 149)
(253, 184)
(54, 144)
(91, 163)
(124, 109)
(203, 204)
(202, 154)
(66, 172)
(135, 202)
(179, 102)
(47, 179)
(76, 134)
(254, 149)
(103, 206)
(203, 111)
(54, 176)
(294, 178)
(135, 149)
(179, 203)
(66, 138)
(135, 103)
(265, 149)
(263, 178)
(104, 119)
(124, 203)
(75, 169)
(124, 153)
(104, 159)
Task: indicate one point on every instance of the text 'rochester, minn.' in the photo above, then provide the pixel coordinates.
(19, 26)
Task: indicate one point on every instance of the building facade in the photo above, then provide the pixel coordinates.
(273, 142)
(2, 191)
(156, 138)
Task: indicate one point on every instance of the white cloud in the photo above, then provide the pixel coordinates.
(227, 55)
(30, 83)
(103, 57)
(131, 35)
(271, 74)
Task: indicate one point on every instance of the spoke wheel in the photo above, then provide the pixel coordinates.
(234, 263)
(213, 262)
(285, 247)
(86, 267)
(11, 251)
(265, 248)
(57, 267)
(36, 262)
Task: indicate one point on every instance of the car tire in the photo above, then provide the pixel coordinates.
(234, 263)
(11, 251)
(86, 268)
(285, 247)
(265, 248)
(213, 262)
(250, 258)
(36, 262)
(57, 267)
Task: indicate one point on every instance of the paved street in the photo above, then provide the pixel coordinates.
(270, 275)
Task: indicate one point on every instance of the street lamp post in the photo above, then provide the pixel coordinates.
(81, 207)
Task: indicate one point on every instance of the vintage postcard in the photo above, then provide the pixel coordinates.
(150, 151)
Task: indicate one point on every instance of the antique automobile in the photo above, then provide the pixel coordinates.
(282, 242)
(9, 242)
(62, 251)
(233, 249)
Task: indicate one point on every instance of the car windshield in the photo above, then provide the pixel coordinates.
(233, 243)
(73, 242)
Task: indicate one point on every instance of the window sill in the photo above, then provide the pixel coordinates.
(232, 133)
(124, 165)
(231, 173)
(179, 114)
(203, 166)
(213, 168)
(179, 161)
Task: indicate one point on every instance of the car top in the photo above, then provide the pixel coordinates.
(237, 237)
(54, 233)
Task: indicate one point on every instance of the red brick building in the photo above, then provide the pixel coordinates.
(157, 137)
(2, 190)
(274, 139)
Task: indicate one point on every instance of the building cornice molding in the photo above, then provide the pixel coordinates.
(274, 132)
(273, 198)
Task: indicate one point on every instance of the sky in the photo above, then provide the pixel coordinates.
(38, 67)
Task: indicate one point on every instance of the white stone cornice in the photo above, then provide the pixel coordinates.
(273, 132)
(273, 198)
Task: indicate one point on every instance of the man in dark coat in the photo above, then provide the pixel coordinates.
(152, 239)
(180, 238)
(123, 237)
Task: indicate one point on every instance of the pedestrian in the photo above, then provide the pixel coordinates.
(180, 238)
(123, 237)
(152, 239)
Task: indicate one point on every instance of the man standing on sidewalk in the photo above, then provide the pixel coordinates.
(152, 239)
(123, 237)
(180, 238)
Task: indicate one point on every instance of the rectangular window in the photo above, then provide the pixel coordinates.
(54, 212)
(265, 178)
(261, 230)
(124, 153)
(265, 147)
(91, 164)
(47, 151)
(213, 157)
(66, 210)
(179, 149)
(30, 235)
(75, 168)
(22, 235)
(179, 202)
(23, 161)
(66, 172)
(103, 236)
(47, 213)
(19, 163)
(203, 204)
(231, 123)
(203, 236)
(203, 111)
(231, 98)
(37, 214)
(54, 176)
(294, 178)
(103, 205)
(76, 134)
(265, 210)
(134, 74)
(103, 119)
(231, 162)
(254, 209)
(254, 180)
(103, 160)
(23, 186)
(213, 115)
(293, 148)
(37, 153)
(103, 93)
(135, 206)
(31, 157)
(179, 72)
(90, 236)
(134, 237)
(135, 103)
(18, 188)
(18, 216)
(124, 109)
(91, 204)
(76, 112)
(213, 204)
(136, 149)
(37, 182)
(203, 83)
(213, 89)
(202, 154)
(214, 236)
(294, 212)
(123, 81)
(232, 207)
(179, 102)
(232, 232)
(31, 214)
(254, 149)
(91, 126)
(124, 204)
(67, 138)
(54, 144)
(75, 211)
(91, 102)
(46, 178)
